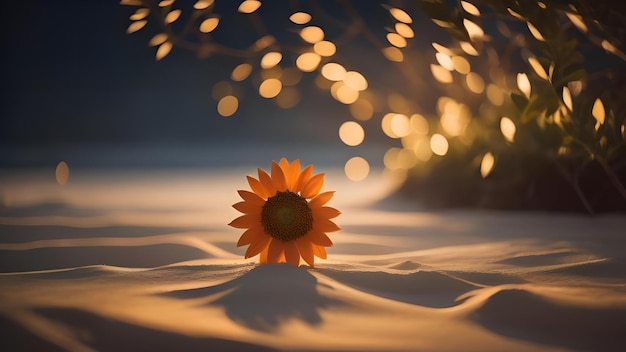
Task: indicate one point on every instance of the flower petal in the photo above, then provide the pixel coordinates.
(263, 256)
(304, 177)
(292, 255)
(257, 187)
(321, 199)
(278, 177)
(291, 175)
(306, 250)
(257, 247)
(247, 208)
(319, 251)
(251, 197)
(246, 221)
(325, 225)
(313, 187)
(325, 213)
(319, 238)
(267, 182)
(276, 251)
(252, 234)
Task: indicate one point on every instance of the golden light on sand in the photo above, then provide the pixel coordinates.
(535, 32)
(507, 127)
(419, 124)
(393, 54)
(351, 133)
(202, 4)
(445, 61)
(475, 82)
(209, 24)
(312, 34)
(523, 84)
(439, 144)
(158, 39)
(333, 71)
(362, 109)
(355, 80)
(249, 6)
(140, 14)
(357, 169)
(598, 113)
(441, 74)
(300, 18)
(308, 62)
(396, 40)
(241, 72)
(172, 16)
(400, 15)
(325, 48)
(270, 88)
(343, 93)
(163, 50)
(487, 164)
(135, 26)
(271, 59)
(228, 105)
(404, 30)
(470, 8)
(567, 98)
(62, 173)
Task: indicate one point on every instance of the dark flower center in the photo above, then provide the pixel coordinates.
(286, 216)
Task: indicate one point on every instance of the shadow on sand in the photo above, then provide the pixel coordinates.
(267, 296)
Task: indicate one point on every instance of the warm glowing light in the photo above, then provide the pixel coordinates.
(536, 65)
(172, 16)
(608, 46)
(158, 39)
(385, 124)
(523, 84)
(598, 112)
(241, 72)
(441, 74)
(351, 133)
(439, 144)
(404, 30)
(454, 124)
(343, 93)
(398, 158)
(312, 34)
(362, 109)
(470, 8)
(355, 80)
(419, 124)
(393, 54)
(487, 164)
(422, 150)
(461, 65)
(264, 42)
(475, 82)
(140, 14)
(274, 72)
(357, 168)
(507, 127)
(271, 59)
(165, 3)
(515, 14)
(270, 88)
(333, 71)
(400, 125)
(163, 50)
(308, 62)
(135, 26)
(249, 6)
(325, 48)
(300, 18)
(442, 49)
(202, 4)
(228, 105)
(473, 30)
(468, 48)
(400, 15)
(396, 40)
(62, 173)
(445, 61)
(495, 95)
(209, 24)
(535, 32)
(288, 98)
(291, 76)
(577, 21)
(567, 99)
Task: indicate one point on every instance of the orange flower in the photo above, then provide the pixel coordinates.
(284, 215)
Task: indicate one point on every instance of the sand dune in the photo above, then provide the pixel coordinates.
(118, 272)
